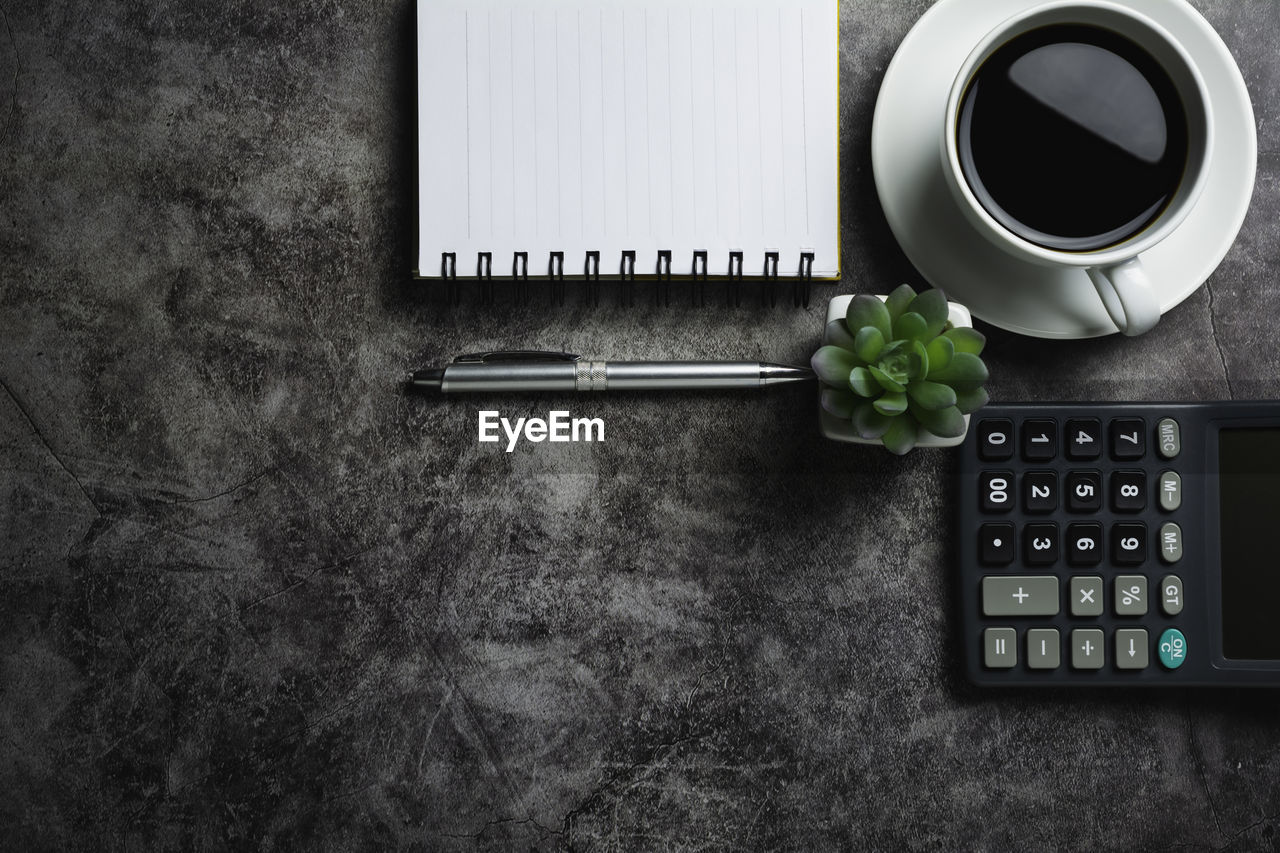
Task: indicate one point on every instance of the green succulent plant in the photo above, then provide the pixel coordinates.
(896, 366)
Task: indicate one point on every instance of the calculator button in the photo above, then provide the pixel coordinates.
(1172, 648)
(1042, 648)
(1168, 438)
(995, 439)
(996, 544)
(1128, 491)
(1040, 491)
(1084, 491)
(1170, 542)
(1131, 648)
(1171, 595)
(1000, 648)
(1020, 596)
(1040, 544)
(1170, 491)
(1128, 438)
(996, 490)
(1129, 543)
(1130, 595)
(1086, 596)
(1084, 543)
(1084, 438)
(1039, 440)
(1088, 648)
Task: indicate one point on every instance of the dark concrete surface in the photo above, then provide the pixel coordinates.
(254, 597)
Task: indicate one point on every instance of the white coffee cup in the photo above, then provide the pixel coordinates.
(1116, 270)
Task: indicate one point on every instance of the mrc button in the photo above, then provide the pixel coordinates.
(1168, 438)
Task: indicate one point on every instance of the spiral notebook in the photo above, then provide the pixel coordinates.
(628, 138)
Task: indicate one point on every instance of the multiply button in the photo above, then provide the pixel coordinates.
(1020, 596)
(995, 439)
(1128, 438)
(1084, 438)
(1039, 440)
(1086, 596)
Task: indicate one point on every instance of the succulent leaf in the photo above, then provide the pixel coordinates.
(932, 306)
(839, 403)
(920, 364)
(940, 351)
(944, 423)
(868, 343)
(863, 383)
(932, 396)
(910, 326)
(833, 364)
(971, 400)
(898, 301)
(965, 372)
(901, 435)
(886, 381)
(867, 310)
(870, 424)
(838, 335)
(967, 340)
(891, 403)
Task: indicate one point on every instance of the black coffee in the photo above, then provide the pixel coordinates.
(1073, 137)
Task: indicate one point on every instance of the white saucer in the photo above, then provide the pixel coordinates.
(998, 288)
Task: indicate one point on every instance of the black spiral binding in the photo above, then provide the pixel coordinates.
(700, 277)
(520, 276)
(664, 278)
(591, 272)
(735, 279)
(555, 272)
(771, 277)
(449, 272)
(484, 272)
(804, 284)
(627, 272)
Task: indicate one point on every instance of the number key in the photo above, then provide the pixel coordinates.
(1128, 438)
(1040, 544)
(1040, 492)
(1039, 440)
(995, 439)
(1084, 543)
(1128, 491)
(1084, 491)
(996, 490)
(1129, 543)
(1084, 438)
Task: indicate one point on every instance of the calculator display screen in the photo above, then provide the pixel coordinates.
(1249, 488)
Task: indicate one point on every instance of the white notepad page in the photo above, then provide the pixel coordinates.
(643, 126)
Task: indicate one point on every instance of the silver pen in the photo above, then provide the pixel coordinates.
(562, 371)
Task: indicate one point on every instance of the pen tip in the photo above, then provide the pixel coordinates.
(429, 380)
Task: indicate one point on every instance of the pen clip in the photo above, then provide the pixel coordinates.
(515, 355)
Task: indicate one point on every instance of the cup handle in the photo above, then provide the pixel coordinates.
(1127, 295)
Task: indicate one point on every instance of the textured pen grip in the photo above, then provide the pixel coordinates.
(591, 376)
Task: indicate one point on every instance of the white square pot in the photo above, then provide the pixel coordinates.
(839, 429)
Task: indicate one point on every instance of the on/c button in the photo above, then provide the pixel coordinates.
(1173, 648)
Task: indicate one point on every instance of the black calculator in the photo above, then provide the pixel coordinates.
(1121, 544)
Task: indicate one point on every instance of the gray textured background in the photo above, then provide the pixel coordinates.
(253, 596)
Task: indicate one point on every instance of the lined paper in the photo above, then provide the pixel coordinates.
(642, 125)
